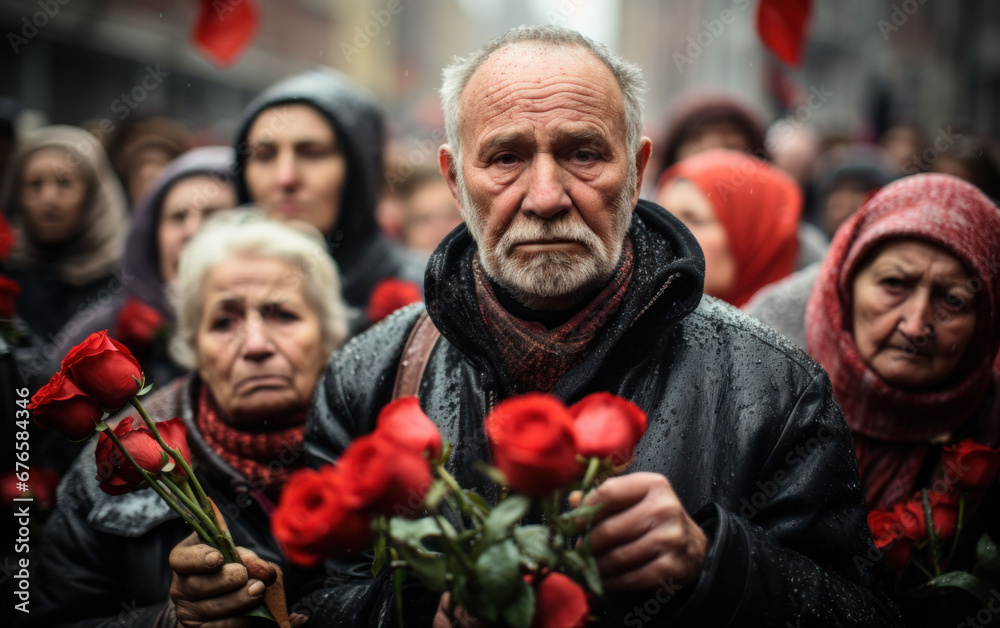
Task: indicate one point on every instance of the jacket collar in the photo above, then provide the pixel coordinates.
(666, 286)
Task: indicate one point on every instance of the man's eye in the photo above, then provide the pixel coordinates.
(585, 156)
(505, 159)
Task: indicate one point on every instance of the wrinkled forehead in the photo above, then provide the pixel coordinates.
(525, 78)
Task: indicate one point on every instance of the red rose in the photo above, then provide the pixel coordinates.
(532, 442)
(974, 465)
(944, 511)
(137, 324)
(384, 478)
(174, 434)
(115, 473)
(62, 406)
(404, 423)
(9, 291)
(607, 426)
(889, 535)
(104, 369)
(313, 521)
(41, 483)
(389, 295)
(559, 602)
(8, 237)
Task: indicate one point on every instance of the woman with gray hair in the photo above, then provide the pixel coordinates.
(258, 311)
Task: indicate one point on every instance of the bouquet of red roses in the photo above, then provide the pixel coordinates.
(539, 574)
(918, 537)
(97, 378)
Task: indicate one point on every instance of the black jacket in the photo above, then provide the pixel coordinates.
(743, 425)
(103, 560)
(363, 255)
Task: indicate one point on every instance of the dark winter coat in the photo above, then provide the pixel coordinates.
(103, 560)
(363, 255)
(743, 425)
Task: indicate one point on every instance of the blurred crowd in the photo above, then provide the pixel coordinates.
(877, 256)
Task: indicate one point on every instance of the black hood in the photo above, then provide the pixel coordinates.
(667, 281)
(359, 126)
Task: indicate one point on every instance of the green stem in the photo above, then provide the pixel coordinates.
(593, 466)
(206, 504)
(455, 549)
(219, 539)
(164, 495)
(467, 504)
(398, 576)
(958, 527)
(453, 506)
(929, 575)
(931, 533)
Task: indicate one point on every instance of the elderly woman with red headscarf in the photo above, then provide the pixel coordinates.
(905, 317)
(744, 213)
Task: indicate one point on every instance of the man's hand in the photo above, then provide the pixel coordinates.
(643, 535)
(209, 594)
(450, 616)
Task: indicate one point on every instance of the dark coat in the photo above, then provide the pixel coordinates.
(743, 425)
(103, 560)
(363, 255)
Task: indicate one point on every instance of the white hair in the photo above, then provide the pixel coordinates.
(457, 75)
(247, 233)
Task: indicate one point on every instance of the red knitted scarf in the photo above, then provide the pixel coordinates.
(263, 458)
(536, 357)
(893, 428)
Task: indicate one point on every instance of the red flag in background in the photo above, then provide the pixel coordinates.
(782, 25)
(225, 28)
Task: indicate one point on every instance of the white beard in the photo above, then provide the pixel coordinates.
(548, 279)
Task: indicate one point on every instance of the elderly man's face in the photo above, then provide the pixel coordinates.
(545, 183)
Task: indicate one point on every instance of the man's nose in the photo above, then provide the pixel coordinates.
(917, 316)
(546, 196)
(288, 169)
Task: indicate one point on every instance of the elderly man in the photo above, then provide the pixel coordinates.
(742, 506)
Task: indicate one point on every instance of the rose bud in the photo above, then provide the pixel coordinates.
(889, 536)
(313, 521)
(104, 369)
(60, 405)
(136, 325)
(559, 602)
(384, 478)
(532, 443)
(114, 471)
(607, 426)
(975, 465)
(404, 423)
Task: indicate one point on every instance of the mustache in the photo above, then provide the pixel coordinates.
(535, 230)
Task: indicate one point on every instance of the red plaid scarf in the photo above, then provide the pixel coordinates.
(263, 458)
(536, 357)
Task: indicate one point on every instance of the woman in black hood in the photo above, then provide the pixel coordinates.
(330, 177)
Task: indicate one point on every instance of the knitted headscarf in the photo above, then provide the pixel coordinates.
(892, 427)
(94, 250)
(759, 207)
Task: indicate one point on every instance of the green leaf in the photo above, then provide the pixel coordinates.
(504, 516)
(582, 512)
(381, 554)
(260, 611)
(519, 612)
(988, 558)
(101, 426)
(426, 566)
(477, 499)
(534, 543)
(583, 567)
(492, 473)
(981, 589)
(497, 571)
(145, 389)
(413, 532)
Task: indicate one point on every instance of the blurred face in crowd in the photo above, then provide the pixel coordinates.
(188, 203)
(431, 214)
(546, 186)
(685, 200)
(53, 195)
(147, 165)
(713, 135)
(914, 313)
(296, 169)
(840, 205)
(259, 340)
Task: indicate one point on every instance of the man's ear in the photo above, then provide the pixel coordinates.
(641, 159)
(446, 162)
